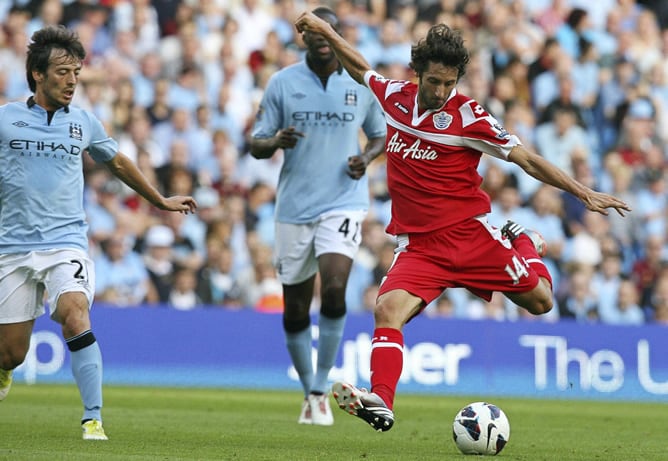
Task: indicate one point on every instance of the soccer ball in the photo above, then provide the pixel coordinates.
(481, 428)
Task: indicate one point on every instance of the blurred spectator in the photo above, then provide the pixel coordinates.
(576, 27)
(121, 279)
(138, 135)
(160, 110)
(216, 283)
(369, 48)
(144, 80)
(625, 229)
(177, 128)
(658, 311)
(574, 210)
(394, 43)
(258, 281)
(545, 210)
(626, 311)
(605, 285)
(141, 18)
(226, 176)
(183, 294)
(583, 248)
(552, 17)
(107, 212)
(546, 60)
(259, 216)
(552, 84)
(561, 138)
(49, 13)
(254, 25)
(94, 17)
(195, 227)
(187, 92)
(121, 107)
(158, 259)
(175, 175)
(652, 204)
(578, 302)
(508, 206)
(184, 251)
(645, 49)
(617, 81)
(647, 268)
(637, 131)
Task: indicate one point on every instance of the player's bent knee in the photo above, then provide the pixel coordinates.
(540, 307)
(12, 358)
(389, 316)
(538, 301)
(542, 299)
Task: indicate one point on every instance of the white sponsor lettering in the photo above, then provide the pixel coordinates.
(602, 371)
(555, 364)
(395, 144)
(414, 151)
(424, 363)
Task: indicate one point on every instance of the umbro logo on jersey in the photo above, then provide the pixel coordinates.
(351, 98)
(20, 124)
(299, 95)
(442, 120)
(76, 132)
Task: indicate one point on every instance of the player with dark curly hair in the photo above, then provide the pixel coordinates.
(435, 139)
(44, 237)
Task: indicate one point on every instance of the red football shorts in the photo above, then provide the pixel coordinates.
(471, 254)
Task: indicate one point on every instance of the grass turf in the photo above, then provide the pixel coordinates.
(40, 422)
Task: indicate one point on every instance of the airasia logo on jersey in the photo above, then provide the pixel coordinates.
(415, 151)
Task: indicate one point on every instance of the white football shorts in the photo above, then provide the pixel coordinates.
(25, 277)
(298, 246)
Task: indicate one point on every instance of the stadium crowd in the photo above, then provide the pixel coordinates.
(178, 82)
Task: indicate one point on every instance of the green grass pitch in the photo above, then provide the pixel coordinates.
(40, 422)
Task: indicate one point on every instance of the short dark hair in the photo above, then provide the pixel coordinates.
(325, 13)
(442, 45)
(43, 42)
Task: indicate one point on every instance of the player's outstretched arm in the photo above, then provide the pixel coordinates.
(348, 56)
(544, 171)
(125, 170)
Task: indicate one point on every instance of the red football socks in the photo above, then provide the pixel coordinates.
(524, 246)
(387, 360)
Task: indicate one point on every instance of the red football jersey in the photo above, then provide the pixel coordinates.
(432, 157)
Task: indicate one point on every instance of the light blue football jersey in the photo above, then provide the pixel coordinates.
(313, 178)
(41, 175)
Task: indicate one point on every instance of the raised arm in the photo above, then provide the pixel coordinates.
(544, 171)
(348, 56)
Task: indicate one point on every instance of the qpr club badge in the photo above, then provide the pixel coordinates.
(442, 120)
